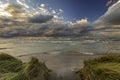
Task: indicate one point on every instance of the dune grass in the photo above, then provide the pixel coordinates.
(9, 64)
(13, 69)
(103, 68)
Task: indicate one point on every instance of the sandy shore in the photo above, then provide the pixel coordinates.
(63, 65)
(58, 62)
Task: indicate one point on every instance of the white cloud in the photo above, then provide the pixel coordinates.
(109, 2)
(111, 17)
(60, 11)
(3, 13)
(83, 21)
(22, 3)
(42, 5)
(55, 16)
(54, 12)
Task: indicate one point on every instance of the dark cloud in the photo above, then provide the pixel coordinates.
(39, 18)
(51, 28)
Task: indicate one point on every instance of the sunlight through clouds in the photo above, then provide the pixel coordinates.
(82, 21)
(21, 10)
(2, 11)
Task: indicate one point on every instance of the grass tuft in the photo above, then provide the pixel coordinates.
(102, 68)
(13, 69)
(9, 64)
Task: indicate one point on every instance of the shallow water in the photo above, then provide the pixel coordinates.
(23, 47)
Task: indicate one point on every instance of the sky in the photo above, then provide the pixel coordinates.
(73, 9)
(78, 9)
(80, 18)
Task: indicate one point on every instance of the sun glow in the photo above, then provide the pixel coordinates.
(3, 12)
(22, 11)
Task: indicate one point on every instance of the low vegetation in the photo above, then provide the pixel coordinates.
(102, 68)
(13, 69)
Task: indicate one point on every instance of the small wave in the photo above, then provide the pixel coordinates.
(88, 53)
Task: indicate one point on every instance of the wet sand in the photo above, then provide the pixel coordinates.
(62, 65)
(58, 62)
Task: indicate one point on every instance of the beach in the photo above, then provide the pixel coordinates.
(58, 54)
(63, 66)
(59, 62)
(62, 57)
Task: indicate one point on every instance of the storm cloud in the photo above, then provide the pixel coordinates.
(51, 28)
(39, 18)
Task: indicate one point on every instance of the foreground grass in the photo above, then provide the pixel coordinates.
(13, 69)
(102, 68)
